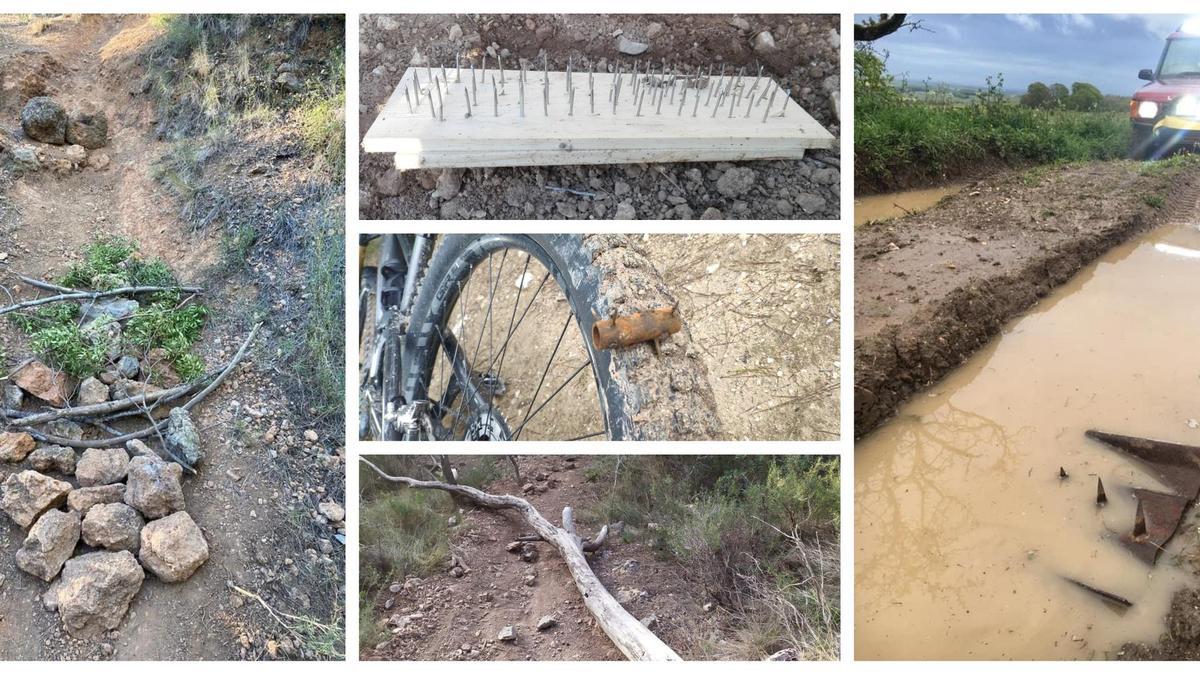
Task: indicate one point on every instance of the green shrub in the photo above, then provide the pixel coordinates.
(900, 141)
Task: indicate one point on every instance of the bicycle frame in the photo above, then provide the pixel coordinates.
(403, 260)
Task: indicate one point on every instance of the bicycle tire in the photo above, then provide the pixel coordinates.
(644, 393)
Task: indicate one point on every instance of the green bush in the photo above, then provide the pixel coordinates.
(898, 141)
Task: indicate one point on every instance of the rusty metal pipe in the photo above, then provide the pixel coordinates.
(632, 329)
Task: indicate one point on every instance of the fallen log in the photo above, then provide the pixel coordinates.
(157, 427)
(632, 638)
(96, 295)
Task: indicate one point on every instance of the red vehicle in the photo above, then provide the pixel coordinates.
(1166, 112)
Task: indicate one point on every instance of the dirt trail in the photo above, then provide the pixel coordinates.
(932, 288)
(248, 489)
(460, 618)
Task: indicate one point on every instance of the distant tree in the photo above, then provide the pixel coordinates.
(1061, 93)
(1038, 95)
(1084, 97)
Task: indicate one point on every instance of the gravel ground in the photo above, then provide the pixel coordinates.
(805, 58)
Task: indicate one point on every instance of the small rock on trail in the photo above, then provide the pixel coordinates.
(15, 447)
(27, 495)
(95, 591)
(173, 548)
(50, 542)
(116, 527)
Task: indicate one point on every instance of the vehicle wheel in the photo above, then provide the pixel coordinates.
(499, 343)
(1142, 145)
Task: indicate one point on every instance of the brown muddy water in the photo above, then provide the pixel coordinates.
(964, 529)
(897, 204)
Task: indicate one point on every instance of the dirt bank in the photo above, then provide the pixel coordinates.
(806, 59)
(266, 465)
(932, 288)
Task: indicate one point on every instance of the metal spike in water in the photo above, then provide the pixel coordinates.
(468, 97)
(639, 101)
(769, 103)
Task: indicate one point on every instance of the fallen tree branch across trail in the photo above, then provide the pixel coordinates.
(634, 640)
(158, 426)
(96, 295)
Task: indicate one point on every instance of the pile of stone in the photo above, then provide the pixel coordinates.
(96, 521)
(69, 140)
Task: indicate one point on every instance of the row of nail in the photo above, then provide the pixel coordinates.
(662, 85)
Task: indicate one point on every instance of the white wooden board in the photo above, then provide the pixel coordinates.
(434, 123)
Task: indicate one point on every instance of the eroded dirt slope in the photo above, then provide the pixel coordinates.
(932, 288)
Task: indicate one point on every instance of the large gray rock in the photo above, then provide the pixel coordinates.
(128, 367)
(44, 120)
(50, 543)
(102, 466)
(116, 527)
(27, 495)
(173, 548)
(95, 591)
(58, 458)
(154, 487)
(115, 309)
(15, 447)
(88, 129)
(83, 499)
(91, 392)
(182, 438)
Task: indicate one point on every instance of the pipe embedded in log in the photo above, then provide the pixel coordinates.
(628, 634)
(632, 329)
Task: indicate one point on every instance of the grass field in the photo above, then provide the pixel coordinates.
(901, 142)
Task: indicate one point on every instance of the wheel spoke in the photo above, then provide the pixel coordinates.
(517, 433)
(545, 371)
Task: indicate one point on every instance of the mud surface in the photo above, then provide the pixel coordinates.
(806, 59)
(460, 618)
(890, 205)
(256, 494)
(967, 533)
(932, 288)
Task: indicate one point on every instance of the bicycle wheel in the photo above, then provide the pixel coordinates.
(499, 344)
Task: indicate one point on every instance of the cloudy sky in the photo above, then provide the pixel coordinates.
(1104, 49)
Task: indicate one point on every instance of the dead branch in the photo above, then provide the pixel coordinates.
(158, 426)
(103, 409)
(634, 640)
(96, 295)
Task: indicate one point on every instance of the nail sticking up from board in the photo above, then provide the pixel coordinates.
(750, 116)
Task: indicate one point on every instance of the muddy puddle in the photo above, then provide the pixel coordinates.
(897, 204)
(964, 529)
